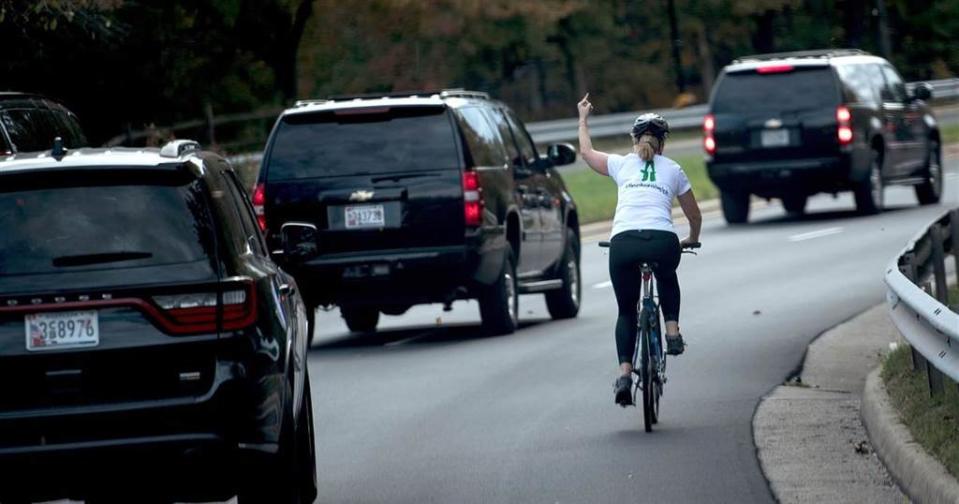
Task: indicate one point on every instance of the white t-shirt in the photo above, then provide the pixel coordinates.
(646, 192)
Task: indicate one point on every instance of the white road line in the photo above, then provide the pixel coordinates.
(815, 234)
(603, 285)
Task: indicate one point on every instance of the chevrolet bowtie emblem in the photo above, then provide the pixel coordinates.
(774, 123)
(361, 196)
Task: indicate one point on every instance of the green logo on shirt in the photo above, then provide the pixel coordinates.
(649, 172)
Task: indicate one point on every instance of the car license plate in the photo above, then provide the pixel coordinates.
(365, 216)
(775, 138)
(62, 330)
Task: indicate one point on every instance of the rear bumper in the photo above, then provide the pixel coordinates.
(782, 177)
(399, 276)
(193, 444)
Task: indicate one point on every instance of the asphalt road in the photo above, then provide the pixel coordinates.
(430, 410)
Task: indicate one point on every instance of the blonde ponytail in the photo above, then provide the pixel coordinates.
(647, 146)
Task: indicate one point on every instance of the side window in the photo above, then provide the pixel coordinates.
(516, 159)
(484, 142)
(26, 130)
(858, 83)
(526, 146)
(69, 129)
(242, 206)
(894, 90)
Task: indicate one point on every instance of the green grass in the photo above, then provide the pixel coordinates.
(595, 194)
(933, 421)
(949, 133)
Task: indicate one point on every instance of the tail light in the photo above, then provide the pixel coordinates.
(774, 69)
(709, 130)
(472, 199)
(844, 128)
(196, 312)
(259, 202)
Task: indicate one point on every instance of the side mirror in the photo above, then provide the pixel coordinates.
(922, 91)
(561, 154)
(299, 241)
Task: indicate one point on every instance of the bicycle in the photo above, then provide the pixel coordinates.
(651, 371)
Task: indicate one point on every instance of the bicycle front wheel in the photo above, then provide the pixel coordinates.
(646, 376)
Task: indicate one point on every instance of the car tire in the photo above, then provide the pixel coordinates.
(930, 191)
(869, 192)
(563, 303)
(305, 437)
(282, 479)
(499, 302)
(735, 206)
(795, 204)
(360, 319)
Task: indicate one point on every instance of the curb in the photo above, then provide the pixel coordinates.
(919, 475)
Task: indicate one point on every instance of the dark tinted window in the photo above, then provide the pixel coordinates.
(30, 129)
(244, 212)
(801, 89)
(69, 129)
(526, 146)
(894, 90)
(58, 229)
(363, 141)
(862, 82)
(511, 150)
(483, 140)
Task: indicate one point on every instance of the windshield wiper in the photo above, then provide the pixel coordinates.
(105, 257)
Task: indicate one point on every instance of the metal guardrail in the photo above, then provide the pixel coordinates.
(926, 321)
(679, 119)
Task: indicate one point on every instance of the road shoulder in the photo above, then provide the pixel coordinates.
(810, 438)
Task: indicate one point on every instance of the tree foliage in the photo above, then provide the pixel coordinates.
(128, 63)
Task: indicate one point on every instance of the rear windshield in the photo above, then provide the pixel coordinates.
(377, 141)
(77, 228)
(781, 92)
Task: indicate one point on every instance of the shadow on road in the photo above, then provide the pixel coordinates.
(821, 216)
(416, 335)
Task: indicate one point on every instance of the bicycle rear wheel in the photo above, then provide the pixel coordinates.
(646, 375)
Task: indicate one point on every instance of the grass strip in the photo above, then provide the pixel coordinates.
(595, 194)
(933, 421)
(949, 133)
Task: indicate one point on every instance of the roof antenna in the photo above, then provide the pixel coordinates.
(58, 150)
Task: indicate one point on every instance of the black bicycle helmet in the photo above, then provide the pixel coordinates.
(651, 123)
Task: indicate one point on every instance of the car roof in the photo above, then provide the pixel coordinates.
(453, 98)
(807, 59)
(102, 158)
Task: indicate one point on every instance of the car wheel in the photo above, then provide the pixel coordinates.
(929, 192)
(306, 447)
(499, 303)
(281, 480)
(795, 204)
(735, 206)
(362, 319)
(563, 303)
(869, 192)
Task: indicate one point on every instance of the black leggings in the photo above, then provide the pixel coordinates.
(628, 250)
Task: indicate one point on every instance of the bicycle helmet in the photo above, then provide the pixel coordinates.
(651, 123)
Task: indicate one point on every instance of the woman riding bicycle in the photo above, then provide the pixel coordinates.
(643, 230)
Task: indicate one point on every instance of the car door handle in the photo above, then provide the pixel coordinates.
(287, 289)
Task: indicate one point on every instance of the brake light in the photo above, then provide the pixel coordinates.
(844, 128)
(709, 139)
(259, 205)
(472, 199)
(774, 69)
(196, 312)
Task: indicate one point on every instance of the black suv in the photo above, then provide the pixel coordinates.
(377, 203)
(31, 122)
(791, 125)
(148, 343)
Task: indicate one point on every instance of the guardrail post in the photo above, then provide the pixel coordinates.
(907, 264)
(954, 226)
(935, 379)
(939, 264)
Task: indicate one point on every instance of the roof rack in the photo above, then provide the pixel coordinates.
(311, 101)
(442, 93)
(820, 53)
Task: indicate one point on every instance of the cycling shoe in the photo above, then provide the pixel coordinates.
(624, 391)
(675, 344)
